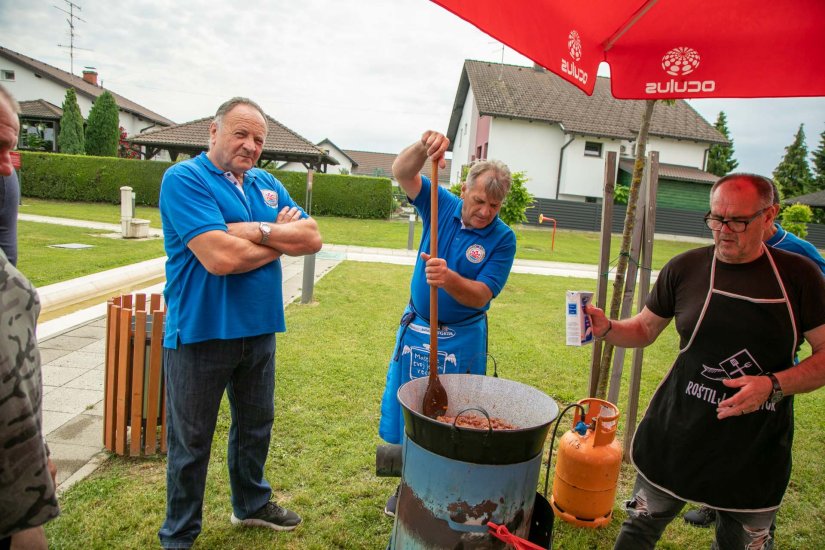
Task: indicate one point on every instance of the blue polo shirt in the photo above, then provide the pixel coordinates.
(484, 255)
(790, 242)
(196, 197)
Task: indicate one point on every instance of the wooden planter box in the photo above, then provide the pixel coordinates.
(134, 405)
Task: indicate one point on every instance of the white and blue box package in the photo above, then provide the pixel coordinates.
(579, 329)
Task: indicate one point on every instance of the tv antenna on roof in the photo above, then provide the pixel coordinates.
(70, 21)
(501, 66)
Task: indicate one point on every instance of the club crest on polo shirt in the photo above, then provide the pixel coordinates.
(475, 253)
(270, 198)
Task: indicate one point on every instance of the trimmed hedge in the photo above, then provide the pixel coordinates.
(341, 195)
(90, 179)
(99, 179)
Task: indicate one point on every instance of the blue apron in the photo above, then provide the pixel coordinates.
(462, 349)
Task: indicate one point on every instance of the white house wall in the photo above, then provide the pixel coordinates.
(583, 176)
(465, 137)
(529, 147)
(683, 153)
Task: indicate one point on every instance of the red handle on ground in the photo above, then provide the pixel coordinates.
(504, 535)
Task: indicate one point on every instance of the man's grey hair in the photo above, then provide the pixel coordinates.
(495, 177)
(227, 106)
(6, 97)
(765, 188)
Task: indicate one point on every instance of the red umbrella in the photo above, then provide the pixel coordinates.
(665, 49)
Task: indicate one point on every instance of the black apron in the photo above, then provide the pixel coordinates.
(740, 463)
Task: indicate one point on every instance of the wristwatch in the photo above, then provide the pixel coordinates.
(776, 393)
(265, 231)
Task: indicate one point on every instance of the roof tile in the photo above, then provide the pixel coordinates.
(526, 93)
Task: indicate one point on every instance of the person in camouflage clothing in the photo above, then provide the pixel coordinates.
(27, 486)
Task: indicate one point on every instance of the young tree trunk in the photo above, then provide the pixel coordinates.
(621, 266)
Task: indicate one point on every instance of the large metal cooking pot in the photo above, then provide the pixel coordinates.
(519, 404)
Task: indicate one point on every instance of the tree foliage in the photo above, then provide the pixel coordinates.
(126, 150)
(71, 139)
(795, 219)
(518, 200)
(720, 157)
(793, 175)
(103, 131)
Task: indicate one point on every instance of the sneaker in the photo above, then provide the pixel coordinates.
(701, 517)
(272, 516)
(392, 502)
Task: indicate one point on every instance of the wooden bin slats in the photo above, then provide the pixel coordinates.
(124, 377)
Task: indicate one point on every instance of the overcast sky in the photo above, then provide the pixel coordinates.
(367, 74)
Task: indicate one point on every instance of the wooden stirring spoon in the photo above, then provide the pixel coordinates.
(435, 396)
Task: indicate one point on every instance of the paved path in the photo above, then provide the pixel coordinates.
(72, 346)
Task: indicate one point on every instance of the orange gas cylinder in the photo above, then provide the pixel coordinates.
(587, 466)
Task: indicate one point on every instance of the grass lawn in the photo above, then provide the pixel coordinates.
(44, 265)
(533, 243)
(331, 368)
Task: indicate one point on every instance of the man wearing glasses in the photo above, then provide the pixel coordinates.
(723, 416)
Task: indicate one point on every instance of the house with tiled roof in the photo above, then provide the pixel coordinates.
(364, 163)
(380, 165)
(42, 87)
(538, 123)
(191, 138)
(345, 163)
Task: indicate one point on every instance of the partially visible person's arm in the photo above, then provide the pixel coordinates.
(639, 331)
(409, 162)
(9, 197)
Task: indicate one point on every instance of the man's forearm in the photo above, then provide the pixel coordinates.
(294, 239)
(407, 167)
(467, 292)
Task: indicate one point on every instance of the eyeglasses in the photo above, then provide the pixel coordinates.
(736, 226)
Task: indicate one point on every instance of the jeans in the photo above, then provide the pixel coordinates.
(196, 377)
(651, 510)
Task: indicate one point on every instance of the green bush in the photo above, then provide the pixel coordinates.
(90, 179)
(341, 195)
(795, 219)
(99, 179)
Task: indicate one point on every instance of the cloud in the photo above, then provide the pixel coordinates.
(367, 74)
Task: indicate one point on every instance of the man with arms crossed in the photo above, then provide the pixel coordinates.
(226, 224)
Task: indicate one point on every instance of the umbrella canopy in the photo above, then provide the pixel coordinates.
(666, 49)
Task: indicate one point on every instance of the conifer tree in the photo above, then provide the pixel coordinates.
(720, 157)
(70, 140)
(818, 183)
(103, 130)
(793, 175)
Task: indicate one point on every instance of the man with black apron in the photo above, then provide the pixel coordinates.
(775, 237)
(476, 251)
(723, 415)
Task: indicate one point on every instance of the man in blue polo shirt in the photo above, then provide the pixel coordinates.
(225, 224)
(476, 251)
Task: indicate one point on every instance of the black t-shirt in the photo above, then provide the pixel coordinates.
(682, 286)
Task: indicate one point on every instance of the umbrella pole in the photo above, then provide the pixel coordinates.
(621, 266)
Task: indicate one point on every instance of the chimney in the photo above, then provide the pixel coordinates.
(536, 67)
(90, 75)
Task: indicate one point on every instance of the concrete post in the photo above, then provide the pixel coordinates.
(127, 211)
(308, 283)
(411, 234)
